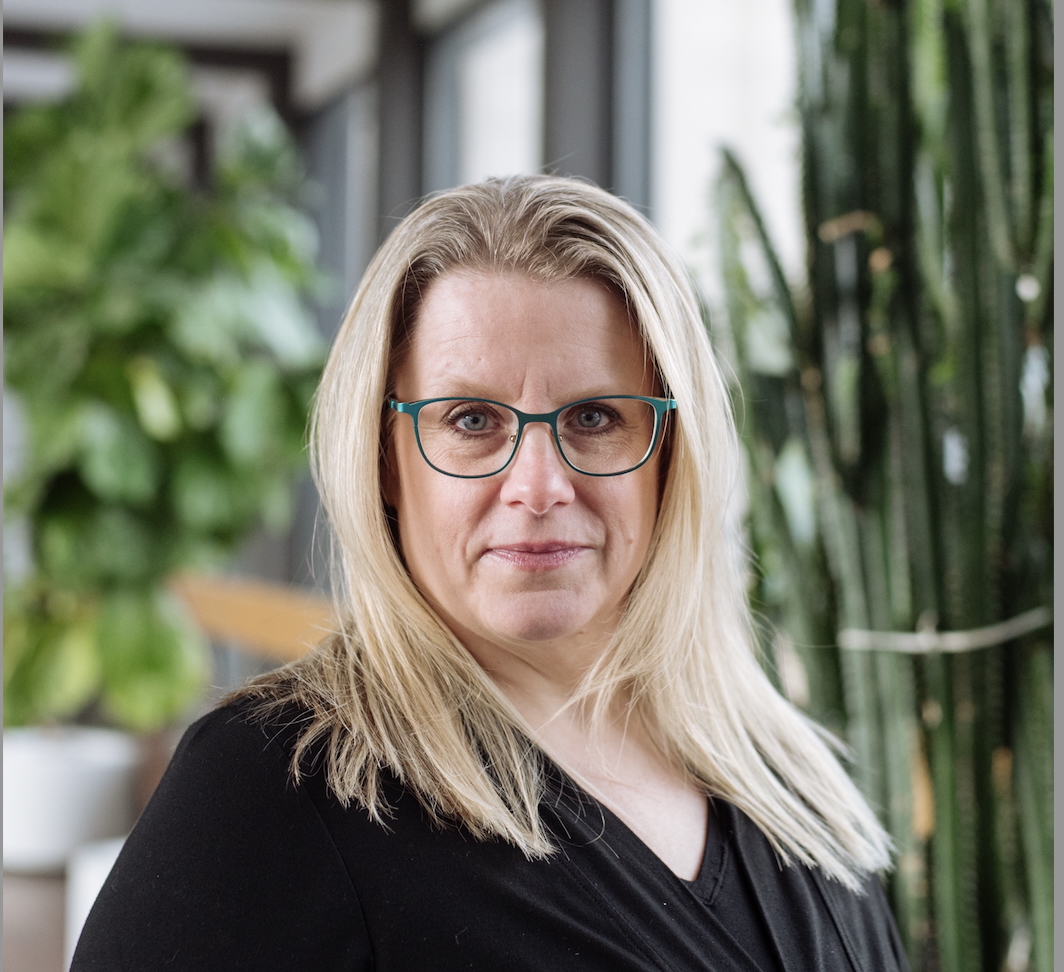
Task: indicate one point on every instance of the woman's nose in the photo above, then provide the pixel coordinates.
(537, 477)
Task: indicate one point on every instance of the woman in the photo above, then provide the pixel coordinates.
(541, 738)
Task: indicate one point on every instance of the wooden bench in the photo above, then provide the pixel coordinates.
(271, 620)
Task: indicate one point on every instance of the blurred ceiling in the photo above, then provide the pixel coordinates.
(329, 43)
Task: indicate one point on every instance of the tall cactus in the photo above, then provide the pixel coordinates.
(897, 415)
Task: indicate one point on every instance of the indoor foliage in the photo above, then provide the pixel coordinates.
(157, 345)
(898, 418)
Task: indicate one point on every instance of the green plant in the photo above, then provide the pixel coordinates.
(898, 419)
(156, 341)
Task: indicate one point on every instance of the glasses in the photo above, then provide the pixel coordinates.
(474, 437)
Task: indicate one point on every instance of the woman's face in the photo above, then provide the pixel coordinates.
(537, 558)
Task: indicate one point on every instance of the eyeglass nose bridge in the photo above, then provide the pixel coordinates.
(550, 419)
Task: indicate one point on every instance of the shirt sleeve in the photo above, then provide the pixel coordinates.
(229, 868)
(866, 925)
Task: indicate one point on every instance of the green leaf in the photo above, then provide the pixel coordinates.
(205, 495)
(209, 327)
(117, 461)
(155, 661)
(137, 94)
(280, 321)
(97, 546)
(200, 394)
(264, 310)
(35, 257)
(121, 307)
(257, 154)
(73, 671)
(51, 663)
(254, 411)
(154, 400)
(45, 332)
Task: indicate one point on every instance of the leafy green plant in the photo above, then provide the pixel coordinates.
(157, 344)
(898, 422)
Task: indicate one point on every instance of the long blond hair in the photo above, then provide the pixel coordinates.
(393, 689)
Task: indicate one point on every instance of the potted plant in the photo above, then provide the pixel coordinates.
(163, 362)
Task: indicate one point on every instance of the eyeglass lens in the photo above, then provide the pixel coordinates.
(473, 438)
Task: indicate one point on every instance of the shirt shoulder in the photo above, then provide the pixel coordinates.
(229, 867)
(800, 903)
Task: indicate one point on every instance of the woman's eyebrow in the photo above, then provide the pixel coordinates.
(455, 387)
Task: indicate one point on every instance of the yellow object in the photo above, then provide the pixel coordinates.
(272, 620)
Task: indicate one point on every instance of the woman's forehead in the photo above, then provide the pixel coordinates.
(515, 331)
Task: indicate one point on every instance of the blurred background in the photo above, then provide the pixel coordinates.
(863, 194)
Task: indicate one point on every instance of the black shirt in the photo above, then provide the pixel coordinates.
(233, 867)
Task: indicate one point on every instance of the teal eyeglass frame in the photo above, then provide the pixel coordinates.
(660, 406)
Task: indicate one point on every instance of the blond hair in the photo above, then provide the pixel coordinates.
(394, 690)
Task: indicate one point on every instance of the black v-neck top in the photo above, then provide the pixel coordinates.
(232, 867)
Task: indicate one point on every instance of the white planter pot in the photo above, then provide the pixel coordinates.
(87, 869)
(64, 786)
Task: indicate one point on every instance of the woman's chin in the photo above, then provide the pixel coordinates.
(537, 622)
(542, 630)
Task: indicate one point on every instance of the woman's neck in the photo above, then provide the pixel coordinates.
(615, 760)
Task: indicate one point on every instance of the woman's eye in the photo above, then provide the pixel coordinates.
(595, 417)
(473, 422)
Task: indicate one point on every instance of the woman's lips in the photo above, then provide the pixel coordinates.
(536, 556)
